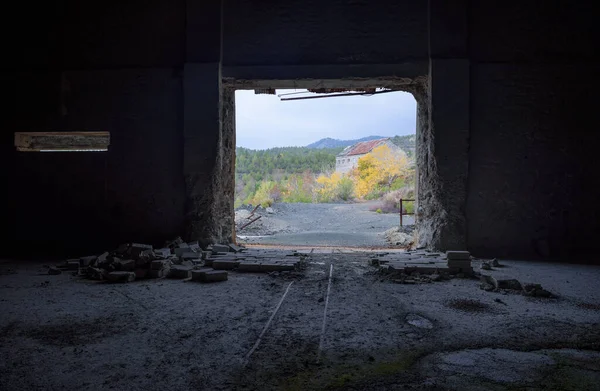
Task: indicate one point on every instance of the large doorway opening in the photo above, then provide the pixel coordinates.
(325, 167)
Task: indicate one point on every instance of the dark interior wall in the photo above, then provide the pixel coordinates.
(117, 66)
(110, 66)
(323, 32)
(71, 202)
(532, 184)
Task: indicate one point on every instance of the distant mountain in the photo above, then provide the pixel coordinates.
(334, 143)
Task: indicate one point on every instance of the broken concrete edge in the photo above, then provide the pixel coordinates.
(489, 283)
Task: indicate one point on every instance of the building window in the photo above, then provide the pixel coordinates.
(62, 141)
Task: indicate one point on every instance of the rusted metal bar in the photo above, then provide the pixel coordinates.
(336, 95)
(250, 222)
(402, 209)
(401, 212)
(253, 210)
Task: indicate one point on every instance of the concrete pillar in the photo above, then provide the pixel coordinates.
(443, 181)
(444, 145)
(201, 144)
(203, 138)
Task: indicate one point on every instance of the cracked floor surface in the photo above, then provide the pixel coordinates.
(60, 332)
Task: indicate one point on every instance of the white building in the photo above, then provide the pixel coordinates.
(348, 158)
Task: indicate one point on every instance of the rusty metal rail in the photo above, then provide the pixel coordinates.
(402, 209)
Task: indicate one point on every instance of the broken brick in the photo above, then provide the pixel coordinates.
(141, 273)
(138, 248)
(225, 264)
(86, 261)
(54, 271)
(195, 246)
(458, 255)
(162, 253)
(158, 273)
(220, 248)
(126, 264)
(209, 275)
(120, 276)
(179, 271)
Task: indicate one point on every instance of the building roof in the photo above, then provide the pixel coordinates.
(362, 147)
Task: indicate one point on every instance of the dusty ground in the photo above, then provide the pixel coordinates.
(59, 332)
(346, 225)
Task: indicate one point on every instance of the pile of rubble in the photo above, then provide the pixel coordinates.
(489, 283)
(421, 266)
(176, 259)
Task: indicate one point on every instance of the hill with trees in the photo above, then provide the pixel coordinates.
(291, 174)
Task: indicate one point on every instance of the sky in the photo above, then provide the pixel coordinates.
(264, 121)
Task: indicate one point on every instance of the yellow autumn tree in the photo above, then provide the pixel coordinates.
(379, 169)
(327, 186)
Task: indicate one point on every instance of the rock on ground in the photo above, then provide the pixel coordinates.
(396, 237)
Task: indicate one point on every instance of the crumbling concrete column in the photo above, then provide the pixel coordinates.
(443, 144)
(206, 164)
(201, 149)
(443, 156)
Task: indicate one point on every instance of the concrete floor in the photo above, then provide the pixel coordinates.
(61, 332)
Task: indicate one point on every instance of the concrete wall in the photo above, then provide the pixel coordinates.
(72, 202)
(506, 155)
(532, 186)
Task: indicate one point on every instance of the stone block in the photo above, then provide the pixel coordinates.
(120, 276)
(197, 274)
(189, 255)
(87, 261)
(206, 254)
(103, 258)
(209, 275)
(183, 245)
(181, 250)
(95, 273)
(158, 273)
(458, 255)
(162, 253)
(136, 249)
(235, 248)
(158, 264)
(147, 254)
(224, 264)
(122, 249)
(195, 246)
(249, 267)
(54, 271)
(220, 248)
(126, 264)
(179, 271)
(140, 274)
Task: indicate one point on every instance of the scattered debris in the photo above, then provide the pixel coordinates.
(54, 271)
(489, 283)
(120, 276)
(180, 260)
(495, 263)
(536, 290)
(500, 301)
(209, 275)
(397, 237)
(419, 321)
(468, 305)
(486, 265)
(412, 267)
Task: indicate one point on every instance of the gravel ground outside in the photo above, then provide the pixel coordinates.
(60, 332)
(346, 225)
